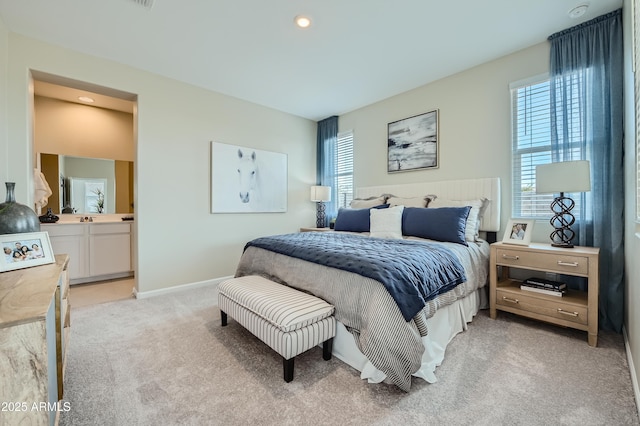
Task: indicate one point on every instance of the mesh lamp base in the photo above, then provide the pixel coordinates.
(562, 221)
(320, 215)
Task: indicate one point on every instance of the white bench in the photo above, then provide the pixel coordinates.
(289, 321)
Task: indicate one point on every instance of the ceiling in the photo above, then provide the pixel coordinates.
(355, 53)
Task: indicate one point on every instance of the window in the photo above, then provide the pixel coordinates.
(531, 138)
(531, 146)
(344, 169)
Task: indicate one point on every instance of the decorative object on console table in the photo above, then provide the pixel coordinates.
(412, 143)
(518, 231)
(320, 194)
(24, 250)
(566, 176)
(16, 218)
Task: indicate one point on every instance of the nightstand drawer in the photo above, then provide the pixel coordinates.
(542, 306)
(551, 262)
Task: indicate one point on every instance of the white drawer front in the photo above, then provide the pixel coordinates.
(64, 230)
(109, 228)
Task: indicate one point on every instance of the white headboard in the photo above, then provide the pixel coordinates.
(465, 189)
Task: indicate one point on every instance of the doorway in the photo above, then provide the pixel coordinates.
(84, 123)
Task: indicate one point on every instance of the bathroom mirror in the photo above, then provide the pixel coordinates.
(82, 185)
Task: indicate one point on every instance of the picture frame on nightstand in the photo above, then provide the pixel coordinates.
(518, 231)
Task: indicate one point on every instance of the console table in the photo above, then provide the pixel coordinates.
(34, 331)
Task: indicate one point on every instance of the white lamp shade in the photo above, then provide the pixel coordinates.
(320, 193)
(565, 176)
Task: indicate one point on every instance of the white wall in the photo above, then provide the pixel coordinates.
(4, 154)
(632, 228)
(83, 131)
(474, 130)
(179, 241)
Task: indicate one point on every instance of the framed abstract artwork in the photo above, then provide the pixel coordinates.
(247, 180)
(412, 143)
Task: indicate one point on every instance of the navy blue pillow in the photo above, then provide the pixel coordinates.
(440, 224)
(355, 220)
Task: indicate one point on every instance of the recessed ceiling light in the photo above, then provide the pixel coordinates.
(302, 21)
(578, 11)
(86, 99)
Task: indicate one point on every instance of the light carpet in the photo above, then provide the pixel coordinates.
(167, 361)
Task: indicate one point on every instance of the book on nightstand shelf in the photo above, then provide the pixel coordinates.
(540, 285)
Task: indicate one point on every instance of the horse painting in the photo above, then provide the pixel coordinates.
(247, 180)
(248, 176)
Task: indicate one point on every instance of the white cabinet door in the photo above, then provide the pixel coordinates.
(109, 253)
(75, 247)
(96, 250)
(70, 240)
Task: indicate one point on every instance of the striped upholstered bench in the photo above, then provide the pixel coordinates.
(287, 320)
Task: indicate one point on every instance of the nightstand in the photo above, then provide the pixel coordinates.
(315, 229)
(575, 309)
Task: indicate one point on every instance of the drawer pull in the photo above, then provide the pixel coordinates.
(510, 257)
(506, 299)
(571, 314)
(572, 264)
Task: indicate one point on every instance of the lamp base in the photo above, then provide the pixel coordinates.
(562, 245)
(562, 221)
(320, 215)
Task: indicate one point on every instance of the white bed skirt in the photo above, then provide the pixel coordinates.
(443, 326)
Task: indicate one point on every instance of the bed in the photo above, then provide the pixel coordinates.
(383, 337)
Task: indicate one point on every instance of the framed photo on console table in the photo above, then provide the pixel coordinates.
(518, 231)
(412, 143)
(25, 250)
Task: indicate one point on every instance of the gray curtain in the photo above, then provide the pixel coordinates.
(586, 82)
(326, 162)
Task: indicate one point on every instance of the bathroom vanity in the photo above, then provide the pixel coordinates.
(98, 250)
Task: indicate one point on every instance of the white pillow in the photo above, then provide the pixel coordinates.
(472, 228)
(407, 202)
(360, 203)
(386, 223)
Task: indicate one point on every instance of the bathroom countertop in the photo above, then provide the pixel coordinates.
(75, 219)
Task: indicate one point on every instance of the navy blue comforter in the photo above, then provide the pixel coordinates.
(413, 272)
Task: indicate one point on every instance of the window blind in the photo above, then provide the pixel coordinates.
(531, 147)
(531, 118)
(344, 169)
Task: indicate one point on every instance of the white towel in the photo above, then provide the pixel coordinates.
(42, 190)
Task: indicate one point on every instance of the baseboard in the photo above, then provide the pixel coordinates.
(89, 280)
(632, 369)
(174, 289)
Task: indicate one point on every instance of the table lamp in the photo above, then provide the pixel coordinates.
(561, 177)
(320, 194)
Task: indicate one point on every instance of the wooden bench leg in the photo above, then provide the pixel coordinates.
(327, 347)
(288, 369)
(223, 318)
